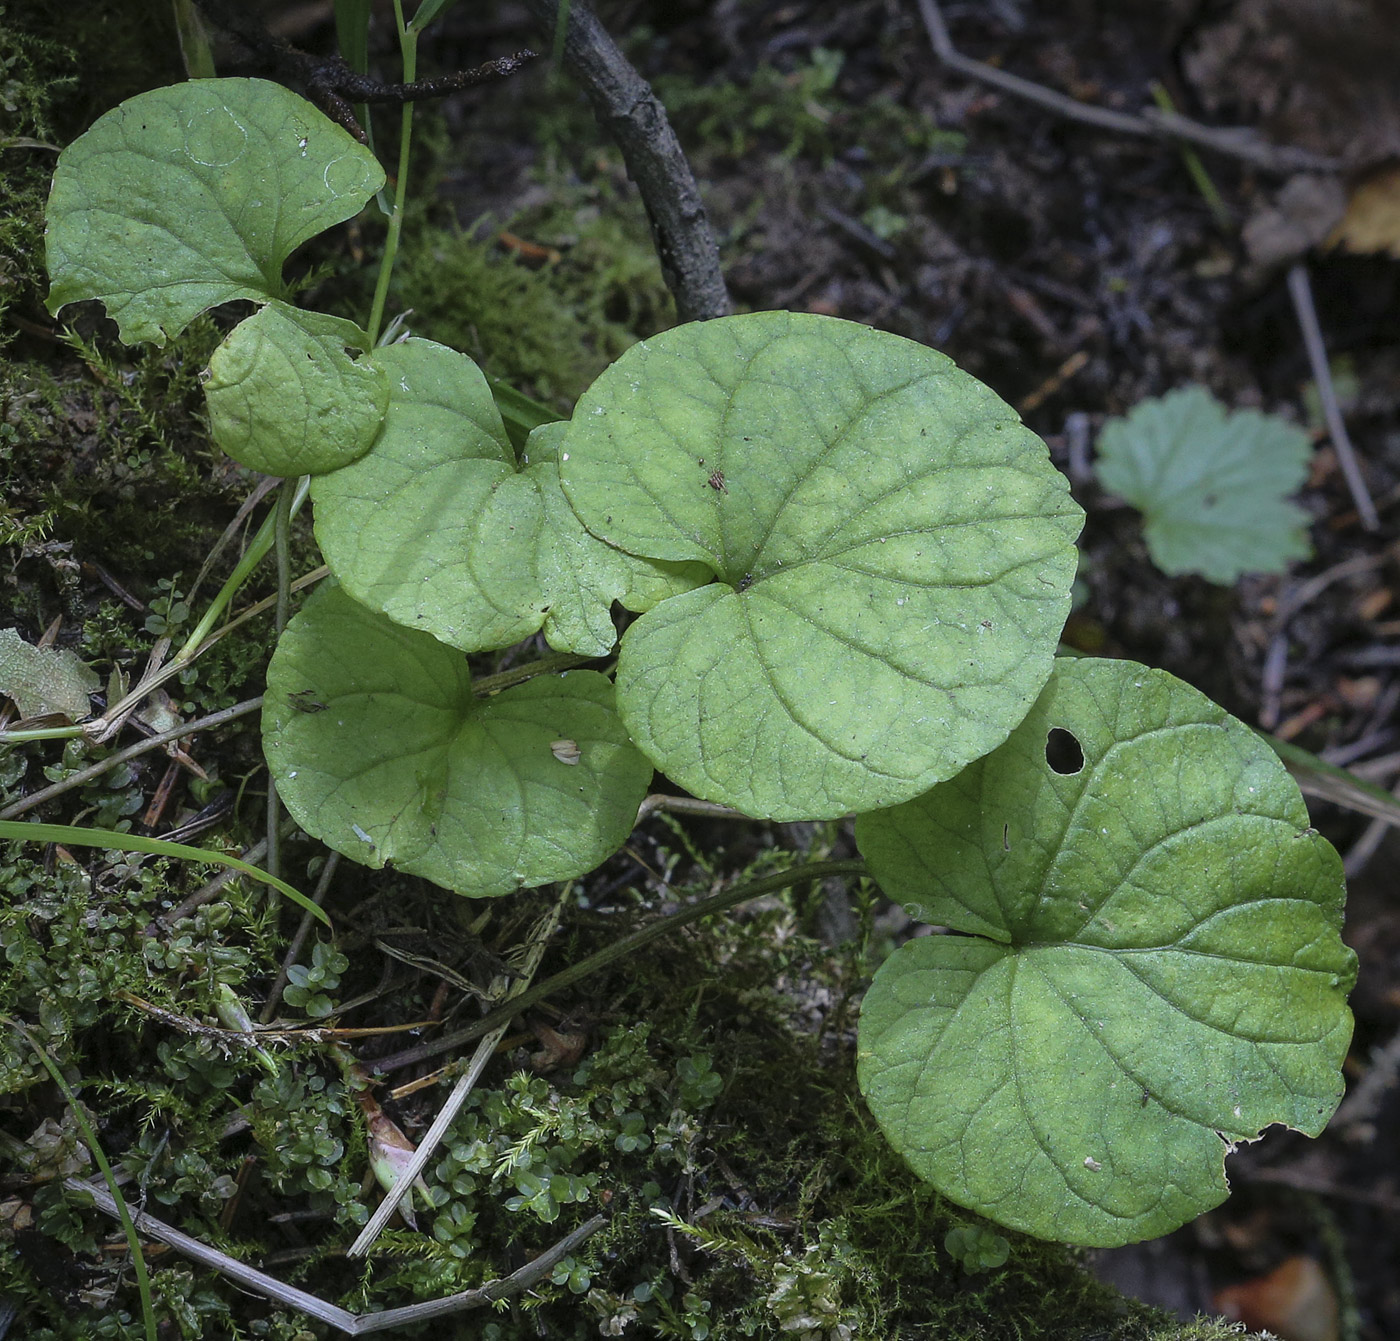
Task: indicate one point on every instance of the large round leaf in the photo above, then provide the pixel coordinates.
(894, 554)
(1153, 967)
(194, 195)
(381, 750)
(435, 528)
(288, 396)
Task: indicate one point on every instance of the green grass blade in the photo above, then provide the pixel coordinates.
(1316, 777)
(352, 36)
(75, 836)
(138, 1260)
(352, 33)
(195, 45)
(427, 12)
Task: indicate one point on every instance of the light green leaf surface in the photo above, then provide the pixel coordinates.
(287, 395)
(1151, 966)
(894, 554)
(44, 680)
(381, 750)
(436, 529)
(432, 527)
(194, 195)
(579, 575)
(1212, 486)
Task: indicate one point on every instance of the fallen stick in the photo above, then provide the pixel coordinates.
(1153, 123)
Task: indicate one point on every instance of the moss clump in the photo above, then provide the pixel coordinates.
(548, 331)
(748, 1194)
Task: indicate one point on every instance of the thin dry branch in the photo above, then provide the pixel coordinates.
(621, 948)
(633, 115)
(1152, 123)
(486, 1049)
(1300, 291)
(259, 1282)
(85, 775)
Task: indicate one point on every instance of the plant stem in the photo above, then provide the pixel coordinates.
(627, 945)
(408, 45)
(282, 532)
(40, 733)
(256, 552)
(1220, 211)
(552, 665)
(138, 1260)
(282, 542)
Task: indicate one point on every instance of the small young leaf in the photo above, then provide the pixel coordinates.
(435, 528)
(287, 398)
(194, 195)
(1150, 965)
(893, 550)
(44, 680)
(1211, 486)
(407, 766)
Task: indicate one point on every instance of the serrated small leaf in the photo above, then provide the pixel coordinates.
(893, 553)
(1150, 965)
(1212, 486)
(194, 195)
(406, 766)
(288, 395)
(435, 528)
(45, 680)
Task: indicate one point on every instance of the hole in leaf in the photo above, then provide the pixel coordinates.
(1063, 752)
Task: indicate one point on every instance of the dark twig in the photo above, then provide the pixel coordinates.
(331, 84)
(1300, 291)
(625, 104)
(1153, 123)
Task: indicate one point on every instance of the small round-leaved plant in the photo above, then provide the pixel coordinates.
(849, 564)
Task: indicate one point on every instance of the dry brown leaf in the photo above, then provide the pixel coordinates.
(1372, 219)
(1295, 1301)
(1300, 216)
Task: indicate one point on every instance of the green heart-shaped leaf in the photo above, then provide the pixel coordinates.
(381, 750)
(194, 195)
(894, 554)
(435, 528)
(1152, 967)
(287, 397)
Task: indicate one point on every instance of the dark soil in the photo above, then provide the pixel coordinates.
(1077, 273)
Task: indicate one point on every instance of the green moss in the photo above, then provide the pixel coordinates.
(800, 112)
(548, 331)
(60, 67)
(749, 1195)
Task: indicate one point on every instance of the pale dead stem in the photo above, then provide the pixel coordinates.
(1152, 123)
(353, 1324)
